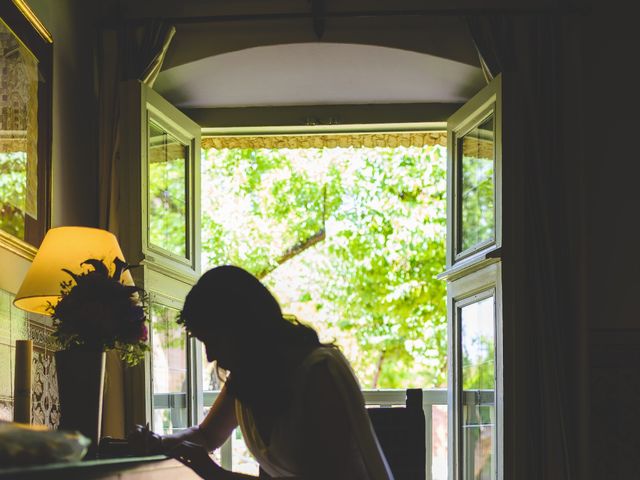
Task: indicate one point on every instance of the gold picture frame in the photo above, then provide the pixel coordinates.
(26, 57)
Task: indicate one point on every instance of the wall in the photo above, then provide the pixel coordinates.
(74, 192)
(611, 99)
(74, 183)
(16, 324)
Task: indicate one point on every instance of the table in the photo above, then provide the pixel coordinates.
(158, 467)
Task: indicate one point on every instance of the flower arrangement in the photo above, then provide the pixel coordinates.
(98, 312)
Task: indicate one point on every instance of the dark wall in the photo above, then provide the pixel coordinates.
(74, 143)
(611, 99)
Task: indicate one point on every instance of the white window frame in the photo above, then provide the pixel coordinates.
(474, 272)
(486, 103)
(192, 398)
(166, 277)
(373, 397)
(467, 290)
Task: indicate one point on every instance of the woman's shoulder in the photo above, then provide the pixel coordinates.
(329, 363)
(322, 354)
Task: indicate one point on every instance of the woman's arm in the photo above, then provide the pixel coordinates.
(221, 420)
(195, 457)
(214, 430)
(210, 434)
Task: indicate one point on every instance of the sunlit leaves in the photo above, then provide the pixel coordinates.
(370, 284)
(167, 205)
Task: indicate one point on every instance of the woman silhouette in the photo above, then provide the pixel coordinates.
(296, 400)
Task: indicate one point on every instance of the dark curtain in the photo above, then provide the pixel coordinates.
(542, 241)
(493, 37)
(124, 53)
(145, 49)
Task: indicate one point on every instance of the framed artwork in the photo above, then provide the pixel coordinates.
(26, 56)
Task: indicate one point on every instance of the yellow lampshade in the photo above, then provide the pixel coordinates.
(65, 247)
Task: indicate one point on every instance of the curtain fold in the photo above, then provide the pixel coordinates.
(126, 52)
(494, 39)
(541, 262)
(148, 47)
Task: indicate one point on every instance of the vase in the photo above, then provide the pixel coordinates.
(80, 389)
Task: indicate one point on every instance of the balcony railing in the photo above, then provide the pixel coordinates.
(170, 414)
(434, 401)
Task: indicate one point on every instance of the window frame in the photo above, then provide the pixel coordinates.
(150, 250)
(481, 107)
(165, 277)
(467, 290)
(239, 137)
(140, 105)
(193, 399)
(473, 271)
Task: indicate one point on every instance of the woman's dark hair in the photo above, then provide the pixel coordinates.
(230, 301)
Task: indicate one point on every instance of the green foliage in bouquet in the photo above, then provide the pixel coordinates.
(98, 312)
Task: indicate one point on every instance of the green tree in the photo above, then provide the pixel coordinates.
(167, 205)
(367, 228)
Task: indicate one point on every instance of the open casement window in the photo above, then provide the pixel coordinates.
(174, 372)
(160, 193)
(474, 291)
(159, 214)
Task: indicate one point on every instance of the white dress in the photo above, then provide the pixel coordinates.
(279, 458)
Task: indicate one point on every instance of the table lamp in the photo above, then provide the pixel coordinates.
(80, 372)
(64, 247)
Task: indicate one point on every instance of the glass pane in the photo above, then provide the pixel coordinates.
(168, 182)
(216, 455)
(439, 442)
(477, 202)
(169, 351)
(242, 460)
(18, 134)
(478, 389)
(210, 380)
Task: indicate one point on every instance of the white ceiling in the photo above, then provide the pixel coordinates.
(318, 74)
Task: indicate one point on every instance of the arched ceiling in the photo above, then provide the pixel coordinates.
(318, 74)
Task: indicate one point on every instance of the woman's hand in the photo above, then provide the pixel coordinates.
(197, 458)
(143, 441)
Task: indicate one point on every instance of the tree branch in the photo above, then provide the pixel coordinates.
(294, 251)
(376, 375)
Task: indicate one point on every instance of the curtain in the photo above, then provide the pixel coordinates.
(542, 242)
(493, 37)
(146, 48)
(129, 52)
(126, 52)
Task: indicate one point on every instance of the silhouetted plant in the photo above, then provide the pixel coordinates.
(98, 312)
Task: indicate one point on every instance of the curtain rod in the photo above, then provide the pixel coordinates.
(379, 13)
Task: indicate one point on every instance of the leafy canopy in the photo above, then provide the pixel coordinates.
(349, 239)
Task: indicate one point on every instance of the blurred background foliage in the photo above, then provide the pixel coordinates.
(350, 240)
